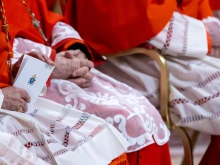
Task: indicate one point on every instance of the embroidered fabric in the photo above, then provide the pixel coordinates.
(129, 111)
(57, 146)
(194, 76)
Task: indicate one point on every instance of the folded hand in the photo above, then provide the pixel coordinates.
(72, 67)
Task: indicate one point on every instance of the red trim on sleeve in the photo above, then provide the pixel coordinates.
(209, 42)
(95, 57)
(3, 85)
(66, 43)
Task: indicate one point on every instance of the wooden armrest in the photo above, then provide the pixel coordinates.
(164, 78)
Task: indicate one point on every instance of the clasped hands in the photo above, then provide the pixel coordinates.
(70, 65)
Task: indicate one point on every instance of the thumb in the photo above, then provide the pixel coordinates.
(17, 65)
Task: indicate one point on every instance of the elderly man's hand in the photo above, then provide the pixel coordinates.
(75, 54)
(74, 67)
(15, 99)
(82, 76)
(34, 54)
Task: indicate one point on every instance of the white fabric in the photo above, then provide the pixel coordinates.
(13, 152)
(213, 26)
(125, 108)
(62, 30)
(217, 14)
(24, 46)
(1, 98)
(56, 133)
(194, 76)
(188, 43)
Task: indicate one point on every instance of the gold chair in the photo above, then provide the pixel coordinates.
(164, 97)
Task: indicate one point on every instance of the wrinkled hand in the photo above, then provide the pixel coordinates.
(72, 67)
(75, 54)
(15, 98)
(82, 76)
(34, 54)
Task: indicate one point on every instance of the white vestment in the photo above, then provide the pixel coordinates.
(58, 135)
(194, 76)
(125, 108)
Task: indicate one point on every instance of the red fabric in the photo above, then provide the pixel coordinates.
(212, 155)
(4, 56)
(152, 155)
(19, 28)
(116, 25)
(26, 30)
(199, 9)
(215, 4)
(65, 44)
(209, 42)
(50, 4)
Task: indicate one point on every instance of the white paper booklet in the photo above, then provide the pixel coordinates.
(32, 76)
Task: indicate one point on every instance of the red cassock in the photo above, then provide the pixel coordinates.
(4, 57)
(19, 28)
(215, 4)
(117, 25)
(197, 8)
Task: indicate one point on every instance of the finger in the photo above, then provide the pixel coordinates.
(23, 105)
(85, 85)
(24, 95)
(61, 53)
(78, 52)
(70, 54)
(86, 63)
(17, 65)
(78, 81)
(36, 55)
(80, 72)
(20, 60)
(48, 60)
(88, 76)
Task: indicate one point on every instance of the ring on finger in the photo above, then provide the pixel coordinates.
(20, 109)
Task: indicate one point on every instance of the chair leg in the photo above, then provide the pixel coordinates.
(194, 138)
(188, 156)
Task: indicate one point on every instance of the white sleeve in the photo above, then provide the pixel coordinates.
(213, 26)
(62, 31)
(1, 98)
(182, 36)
